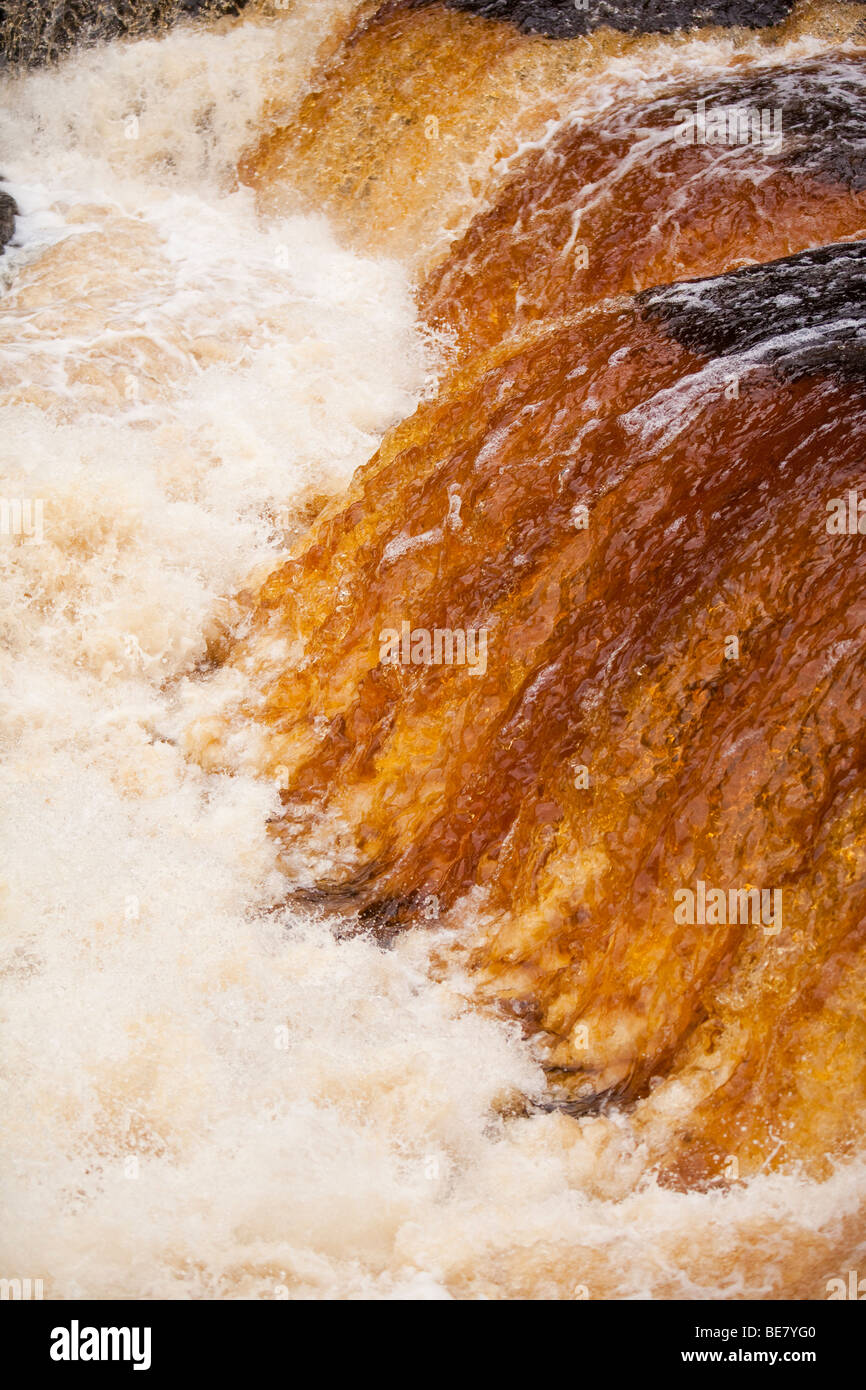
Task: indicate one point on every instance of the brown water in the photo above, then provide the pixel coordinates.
(335, 976)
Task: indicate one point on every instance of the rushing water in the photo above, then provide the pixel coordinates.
(210, 1089)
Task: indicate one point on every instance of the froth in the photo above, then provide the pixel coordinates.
(205, 1096)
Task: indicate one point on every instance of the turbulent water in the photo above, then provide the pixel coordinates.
(305, 964)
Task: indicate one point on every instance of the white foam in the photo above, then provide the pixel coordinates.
(201, 1096)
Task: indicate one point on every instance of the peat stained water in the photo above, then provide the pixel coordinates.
(433, 769)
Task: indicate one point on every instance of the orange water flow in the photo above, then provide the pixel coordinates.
(637, 798)
(515, 946)
(403, 100)
(407, 125)
(641, 197)
(610, 508)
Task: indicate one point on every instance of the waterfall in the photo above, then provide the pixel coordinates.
(431, 535)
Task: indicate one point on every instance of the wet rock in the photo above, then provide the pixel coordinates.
(8, 213)
(564, 19)
(37, 31)
(802, 314)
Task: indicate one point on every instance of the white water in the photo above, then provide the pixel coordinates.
(201, 1097)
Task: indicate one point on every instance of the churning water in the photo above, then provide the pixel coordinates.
(204, 1094)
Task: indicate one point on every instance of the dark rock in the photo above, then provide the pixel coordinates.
(823, 103)
(38, 31)
(803, 314)
(8, 213)
(561, 19)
